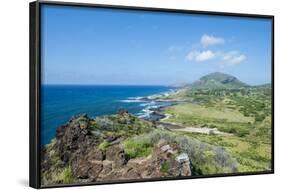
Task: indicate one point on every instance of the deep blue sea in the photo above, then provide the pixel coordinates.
(60, 102)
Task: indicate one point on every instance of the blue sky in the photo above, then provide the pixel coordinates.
(103, 46)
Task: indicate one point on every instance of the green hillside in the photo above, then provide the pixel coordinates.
(218, 80)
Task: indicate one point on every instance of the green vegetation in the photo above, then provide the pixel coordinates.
(125, 125)
(103, 146)
(243, 113)
(190, 112)
(67, 176)
(205, 158)
(218, 80)
(58, 171)
(135, 149)
(59, 175)
(164, 167)
(249, 155)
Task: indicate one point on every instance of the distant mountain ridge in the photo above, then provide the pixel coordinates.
(218, 80)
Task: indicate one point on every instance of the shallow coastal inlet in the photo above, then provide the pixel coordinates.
(139, 95)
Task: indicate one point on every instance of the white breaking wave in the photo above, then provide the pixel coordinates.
(130, 101)
(133, 100)
(145, 113)
(148, 104)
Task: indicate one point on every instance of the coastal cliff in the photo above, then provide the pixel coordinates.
(104, 149)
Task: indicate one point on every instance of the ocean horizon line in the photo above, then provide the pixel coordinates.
(107, 85)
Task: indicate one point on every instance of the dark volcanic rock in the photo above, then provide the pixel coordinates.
(94, 154)
(107, 168)
(161, 163)
(131, 173)
(80, 168)
(116, 154)
(100, 156)
(74, 139)
(94, 171)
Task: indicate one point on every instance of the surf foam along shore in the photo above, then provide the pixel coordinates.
(153, 105)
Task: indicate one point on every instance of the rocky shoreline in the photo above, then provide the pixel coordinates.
(89, 150)
(156, 112)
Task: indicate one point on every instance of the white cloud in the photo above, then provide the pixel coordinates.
(200, 56)
(200, 53)
(226, 58)
(208, 40)
(192, 55)
(233, 57)
(205, 55)
(238, 59)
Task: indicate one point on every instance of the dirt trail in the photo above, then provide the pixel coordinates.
(178, 127)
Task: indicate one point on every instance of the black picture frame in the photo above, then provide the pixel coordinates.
(35, 81)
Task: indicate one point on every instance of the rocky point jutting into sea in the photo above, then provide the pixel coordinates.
(89, 150)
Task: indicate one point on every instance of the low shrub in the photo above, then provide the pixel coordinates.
(67, 176)
(164, 167)
(205, 158)
(103, 146)
(134, 149)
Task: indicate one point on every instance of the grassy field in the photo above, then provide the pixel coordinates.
(189, 112)
(243, 113)
(249, 155)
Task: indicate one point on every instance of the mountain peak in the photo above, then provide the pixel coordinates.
(217, 75)
(217, 80)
